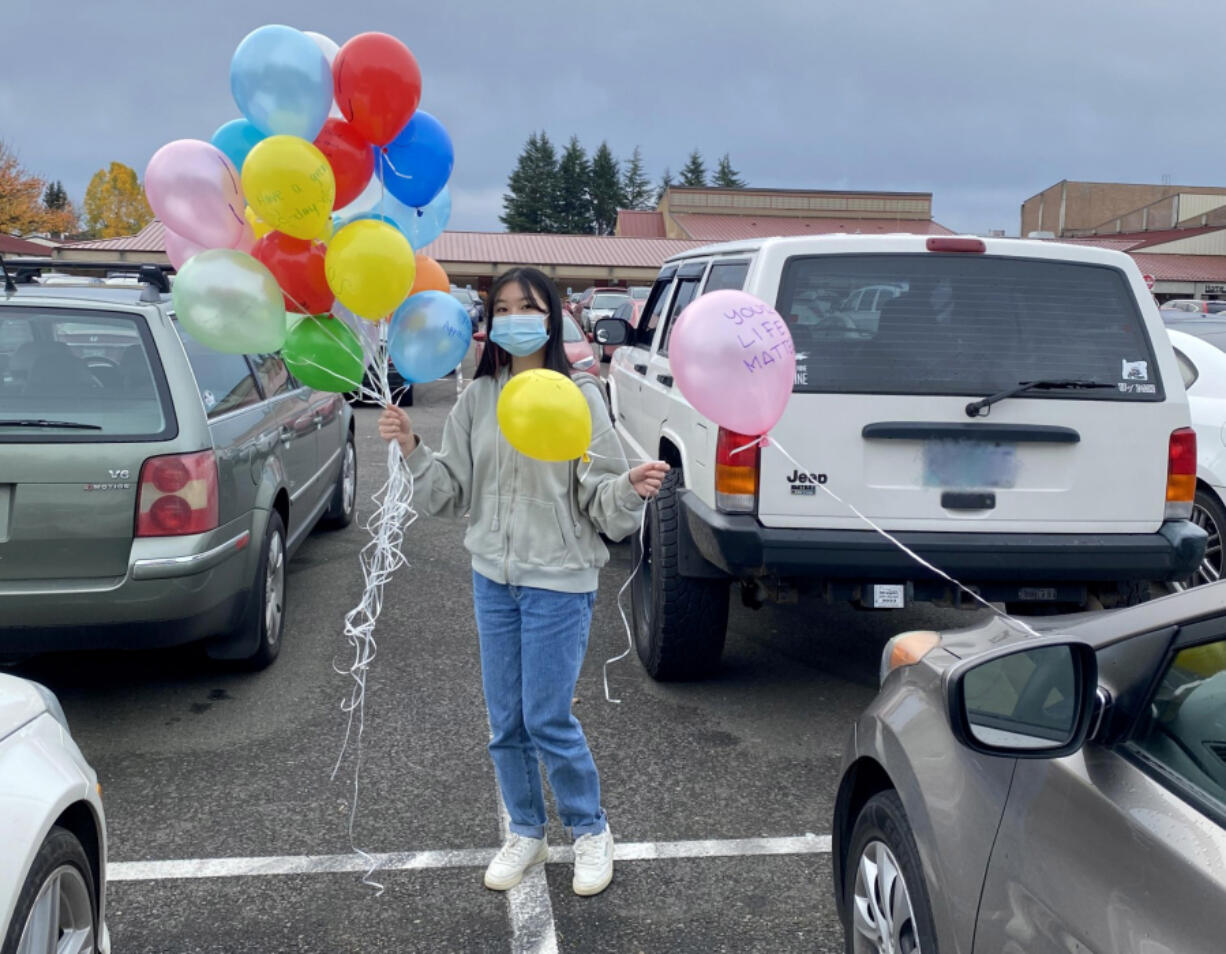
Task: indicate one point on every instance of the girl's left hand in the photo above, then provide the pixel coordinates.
(646, 478)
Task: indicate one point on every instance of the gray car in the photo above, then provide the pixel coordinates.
(152, 489)
(1007, 793)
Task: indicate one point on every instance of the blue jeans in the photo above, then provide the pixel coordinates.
(532, 646)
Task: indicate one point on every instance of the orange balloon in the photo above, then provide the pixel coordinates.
(430, 276)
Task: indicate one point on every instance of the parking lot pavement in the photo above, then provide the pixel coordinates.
(719, 793)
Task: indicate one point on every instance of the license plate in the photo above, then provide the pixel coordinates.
(889, 596)
(960, 464)
(1037, 593)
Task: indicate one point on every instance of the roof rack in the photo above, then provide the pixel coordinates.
(153, 276)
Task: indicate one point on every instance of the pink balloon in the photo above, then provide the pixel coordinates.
(246, 241)
(180, 249)
(733, 359)
(194, 189)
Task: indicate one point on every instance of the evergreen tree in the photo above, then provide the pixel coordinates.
(607, 194)
(694, 173)
(666, 182)
(726, 177)
(636, 187)
(573, 198)
(55, 199)
(528, 204)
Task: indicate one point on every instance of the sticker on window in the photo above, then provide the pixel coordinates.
(210, 401)
(1135, 370)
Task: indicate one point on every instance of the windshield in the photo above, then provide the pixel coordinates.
(81, 368)
(609, 300)
(964, 325)
(640, 292)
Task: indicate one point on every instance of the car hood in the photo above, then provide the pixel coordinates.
(19, 703)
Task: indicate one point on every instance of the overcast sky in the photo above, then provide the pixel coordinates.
(981, 102)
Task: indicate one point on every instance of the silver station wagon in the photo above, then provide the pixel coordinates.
(151, 489)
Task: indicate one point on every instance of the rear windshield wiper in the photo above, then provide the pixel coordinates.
(975, 407)
(41, 423)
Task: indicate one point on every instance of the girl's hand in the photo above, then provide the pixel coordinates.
(394, 425)
(646, 478)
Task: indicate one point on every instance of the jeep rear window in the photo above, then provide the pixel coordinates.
(964, 325)
(80, 377)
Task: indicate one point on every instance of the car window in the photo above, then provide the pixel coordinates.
(608, 300)
(225, 381)
(1187, 370)
(965, 325)
(656, 304)
(1184, 729)
(95, 369)
(571, 332)
(640, 292)
(726, 275)
(687, 291)
(273, 375)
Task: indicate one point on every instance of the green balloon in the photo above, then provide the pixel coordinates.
(324, 354)
(230, 302)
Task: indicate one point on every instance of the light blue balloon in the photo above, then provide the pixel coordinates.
(282, 82)
(429, 222)
(236, 138)
(346, 220)
(429, 336)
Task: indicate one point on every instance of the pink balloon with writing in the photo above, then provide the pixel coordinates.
(194, 189)
(732, 357)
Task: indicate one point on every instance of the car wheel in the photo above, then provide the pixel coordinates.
(1208, 514)
(266, 604)
(57, 909)
(886, 898)
(679, 622)
(345, 497)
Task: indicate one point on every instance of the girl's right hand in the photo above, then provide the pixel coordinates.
(394, 425)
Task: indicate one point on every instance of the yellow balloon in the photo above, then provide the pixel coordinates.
(370, 268)
(289, 184)
(258, 226)
(544, 415)
(326, 233)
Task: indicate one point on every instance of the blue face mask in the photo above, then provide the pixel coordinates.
(520, 335)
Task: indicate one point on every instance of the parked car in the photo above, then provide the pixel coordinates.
(153, 488)
(471, 302)
(628, 311)
(52, 827)
(1195, 306)
(580, 351)
(1061, 793)
(586, 299)
(639, 292)
(601, 305)
(979, 423)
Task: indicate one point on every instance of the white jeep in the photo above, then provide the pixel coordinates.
(1010, 410)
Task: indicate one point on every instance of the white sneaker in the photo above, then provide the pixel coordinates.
(516, 856)
(593, 863)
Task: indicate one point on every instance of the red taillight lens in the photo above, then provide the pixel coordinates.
(736, 471)
(1181, 473)
(178, 495)
(945, 243)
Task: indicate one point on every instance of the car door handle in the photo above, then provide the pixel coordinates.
(665, 379)
(319, 421)
(641, 368)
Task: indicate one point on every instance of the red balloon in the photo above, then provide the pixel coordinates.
(298, 266)
(350, 156)
(377, 84)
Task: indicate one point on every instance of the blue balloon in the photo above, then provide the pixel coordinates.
(428, 223)
(417, 163)
(429, 336)
(282, 82)
(236, 138)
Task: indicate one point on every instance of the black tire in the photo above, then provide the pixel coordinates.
(679, 622)
(62, 856)
(1208, 514)
(882, 822)
(260, 621)
(344, 503)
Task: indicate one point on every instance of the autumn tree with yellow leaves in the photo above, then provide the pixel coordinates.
(115, 203)
(22, 209)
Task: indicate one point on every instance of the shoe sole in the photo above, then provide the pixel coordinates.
(586, 891)
(512, 882)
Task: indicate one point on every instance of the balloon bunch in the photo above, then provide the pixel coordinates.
(316, 203)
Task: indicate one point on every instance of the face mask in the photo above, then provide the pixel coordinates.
(520, 335)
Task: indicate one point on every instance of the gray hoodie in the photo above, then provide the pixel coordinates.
(531, 522)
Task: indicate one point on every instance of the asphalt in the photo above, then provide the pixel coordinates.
(197, 761)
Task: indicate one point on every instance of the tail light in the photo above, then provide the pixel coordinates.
(178, 495)
(1181, 474)
(949, 243)
(736, 472)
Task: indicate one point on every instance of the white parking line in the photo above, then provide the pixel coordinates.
(532, 927)
(460, 858)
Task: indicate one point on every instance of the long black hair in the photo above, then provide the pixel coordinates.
(534, 284)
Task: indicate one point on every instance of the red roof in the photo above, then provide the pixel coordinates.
(1134, 241)
(152, 238)
(521, 248)
(727, 228)
(12, 245)
(636, 224)
(1182, 268)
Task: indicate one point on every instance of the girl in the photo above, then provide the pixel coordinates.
(534, 535)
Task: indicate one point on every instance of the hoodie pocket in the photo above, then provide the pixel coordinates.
(537, 537)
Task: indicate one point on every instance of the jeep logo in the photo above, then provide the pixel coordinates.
(805, 485)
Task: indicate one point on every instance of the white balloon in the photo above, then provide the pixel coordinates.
(327, 46)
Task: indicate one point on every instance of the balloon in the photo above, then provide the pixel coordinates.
(235, 139)
(180, 249)
(370, 268)
(257, 225)
(544, 415)
(298, 267)
(350, 157)
(733, 359)
(429, 276)
(429, 222)
(328, 47)
(417, 163)
(378, 85)
(193, 188)
(429, 336)
(325, 354)
(281, 82)
(289, 185)
(228, 301)
(367, 331)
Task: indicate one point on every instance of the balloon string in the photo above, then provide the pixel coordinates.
(384, 157)
(622, 610)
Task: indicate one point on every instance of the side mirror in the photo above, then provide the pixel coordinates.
(1031, 700)
(612, 331)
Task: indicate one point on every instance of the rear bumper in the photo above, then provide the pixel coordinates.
(738, 545)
